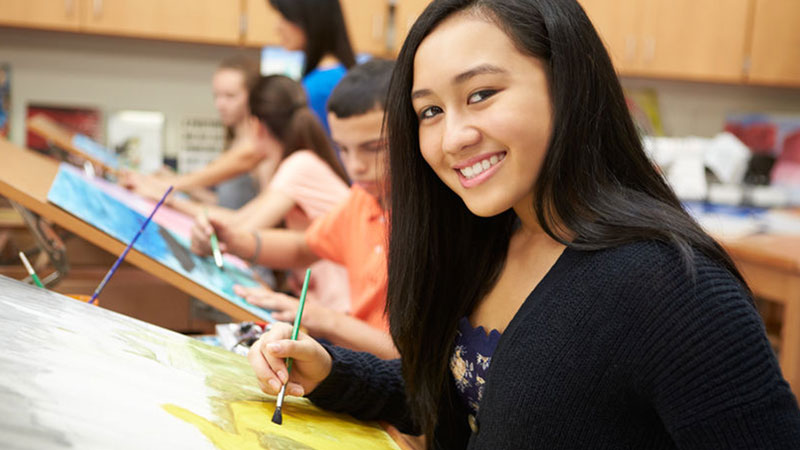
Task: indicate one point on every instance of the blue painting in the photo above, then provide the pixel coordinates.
(74, 193)
(93, 149)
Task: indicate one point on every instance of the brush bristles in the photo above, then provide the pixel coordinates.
(277, 417)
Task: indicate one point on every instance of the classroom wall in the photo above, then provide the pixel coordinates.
(112, 74)
(700, 108)
(118, 73)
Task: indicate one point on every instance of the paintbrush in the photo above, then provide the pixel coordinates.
(128, 248)
(31, 272)
(277, 417)
(214, 244)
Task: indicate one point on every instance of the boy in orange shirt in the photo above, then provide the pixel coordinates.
(354, 234)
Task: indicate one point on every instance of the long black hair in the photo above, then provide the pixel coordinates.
(596, 188)
(323, 23)
(280, 104)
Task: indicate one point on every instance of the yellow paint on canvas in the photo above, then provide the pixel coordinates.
(304, 427)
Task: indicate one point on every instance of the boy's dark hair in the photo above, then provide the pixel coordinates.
(362, 90)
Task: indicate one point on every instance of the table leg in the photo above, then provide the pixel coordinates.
(790, 336)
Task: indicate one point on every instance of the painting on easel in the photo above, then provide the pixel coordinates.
(5, 98)
(73, 375)
(75, 193)
(81, 120)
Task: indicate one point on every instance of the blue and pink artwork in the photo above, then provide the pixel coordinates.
(75, 193)
(91, 148)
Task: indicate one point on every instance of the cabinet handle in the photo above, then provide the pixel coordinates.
(242, 25)
(98, 8)
(630, 48)
(377, 26)
(649, 49)
(69, 6)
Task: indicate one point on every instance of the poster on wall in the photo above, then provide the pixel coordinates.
(80, 119)
(773, 137)
(137, 137)
(279, 61)
(201, 142)
(5, 98)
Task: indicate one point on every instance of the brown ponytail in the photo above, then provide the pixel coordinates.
(305, 132)
(280, 104)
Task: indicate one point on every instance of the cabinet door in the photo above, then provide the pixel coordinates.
(405, 14)
(52, 14)
(212, 21)
(695, 39)
(618, 22)
(367, 22)
(775, 48)
(262, 24)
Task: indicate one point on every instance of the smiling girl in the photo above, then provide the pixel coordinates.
(546, 289)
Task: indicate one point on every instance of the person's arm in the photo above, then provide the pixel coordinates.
(230, 164)
(196, 209)
(323, 323)
(236, 161)
(267, 210)
(276, 248)
(347, 331)
(366, 387)
(154, 188)
(200, 194)
(701, 357)
(332, 377)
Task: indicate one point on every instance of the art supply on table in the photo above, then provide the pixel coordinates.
(128, 248)
(238, 337)
(30, 270)
(215, 245)
(277, 417)
(83, 298)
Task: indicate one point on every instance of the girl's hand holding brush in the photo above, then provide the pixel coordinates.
(311, 362)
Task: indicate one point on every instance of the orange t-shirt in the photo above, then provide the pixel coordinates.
(354, 234)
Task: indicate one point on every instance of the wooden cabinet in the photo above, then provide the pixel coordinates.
(733, 41)
(679, 39)
(775, 45)
(51, 14)
(367, 21)
(619, 24)
(212, 21)
(694, 39)
(405, 14)
(262, 24)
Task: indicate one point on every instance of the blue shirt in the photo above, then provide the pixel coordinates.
(318, 85)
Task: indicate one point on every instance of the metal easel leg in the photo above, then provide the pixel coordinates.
(48, 242)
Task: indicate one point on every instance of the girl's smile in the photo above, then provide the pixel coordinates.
(476, 170)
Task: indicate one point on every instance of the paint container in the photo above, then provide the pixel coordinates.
(83, 298)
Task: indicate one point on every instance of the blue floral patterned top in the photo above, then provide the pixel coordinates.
(470, 361)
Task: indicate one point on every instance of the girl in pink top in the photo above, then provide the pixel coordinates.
(308, 182)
